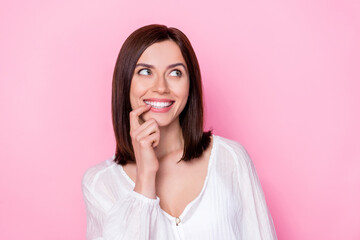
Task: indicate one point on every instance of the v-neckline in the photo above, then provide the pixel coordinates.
(188, 206)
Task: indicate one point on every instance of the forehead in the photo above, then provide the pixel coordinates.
(162, 54)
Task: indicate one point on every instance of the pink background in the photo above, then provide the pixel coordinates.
(281, 77)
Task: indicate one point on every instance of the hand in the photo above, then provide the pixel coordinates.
(144, 138)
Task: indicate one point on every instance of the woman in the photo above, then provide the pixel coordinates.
(168, 179)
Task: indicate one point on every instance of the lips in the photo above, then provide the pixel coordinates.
(159, 100)
(159, 104)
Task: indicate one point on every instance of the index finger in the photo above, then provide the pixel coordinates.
(134, 115)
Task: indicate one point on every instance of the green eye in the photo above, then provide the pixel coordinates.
(176, 73)
(144, 71)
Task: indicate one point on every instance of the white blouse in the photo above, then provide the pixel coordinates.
(231, 204)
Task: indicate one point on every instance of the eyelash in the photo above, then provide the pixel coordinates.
(180, 73)
(144, 69)
(177, 71)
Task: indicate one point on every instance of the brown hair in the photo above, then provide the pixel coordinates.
(191, 118)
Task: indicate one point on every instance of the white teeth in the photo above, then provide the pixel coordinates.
(158, 104)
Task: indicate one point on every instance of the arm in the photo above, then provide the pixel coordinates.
(135, 215)
(132, 216)
(256, 221)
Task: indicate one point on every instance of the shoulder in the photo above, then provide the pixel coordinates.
(231, 149)
(231, 146)
(95, 172)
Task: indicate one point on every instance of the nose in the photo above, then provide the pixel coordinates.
(161, 85)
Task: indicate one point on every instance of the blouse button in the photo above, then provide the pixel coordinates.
(177, 220)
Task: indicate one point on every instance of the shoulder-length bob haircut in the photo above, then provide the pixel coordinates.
(191, 118)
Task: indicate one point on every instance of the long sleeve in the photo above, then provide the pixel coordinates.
(257, 223)
(231, 204)
(131, 216)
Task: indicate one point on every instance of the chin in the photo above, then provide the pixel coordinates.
(162, 121)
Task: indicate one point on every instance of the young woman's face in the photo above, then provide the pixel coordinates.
(161, 80)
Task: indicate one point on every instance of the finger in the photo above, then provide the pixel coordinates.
(156, 142)
(152, 128)
(134, 115)
(151, 141)
(147, 123)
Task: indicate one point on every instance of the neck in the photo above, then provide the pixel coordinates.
(171, 139)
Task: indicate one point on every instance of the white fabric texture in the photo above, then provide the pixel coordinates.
(231, 204)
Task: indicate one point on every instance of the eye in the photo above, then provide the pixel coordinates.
(144, 71)
(176, 73)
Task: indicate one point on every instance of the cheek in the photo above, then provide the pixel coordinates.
(182, 92)
(136, 92)
(185, 89)
(132, 98)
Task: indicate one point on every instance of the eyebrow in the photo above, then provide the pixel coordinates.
(168, 67)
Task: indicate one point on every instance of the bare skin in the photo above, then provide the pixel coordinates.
(157, 137)
(175, 184)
